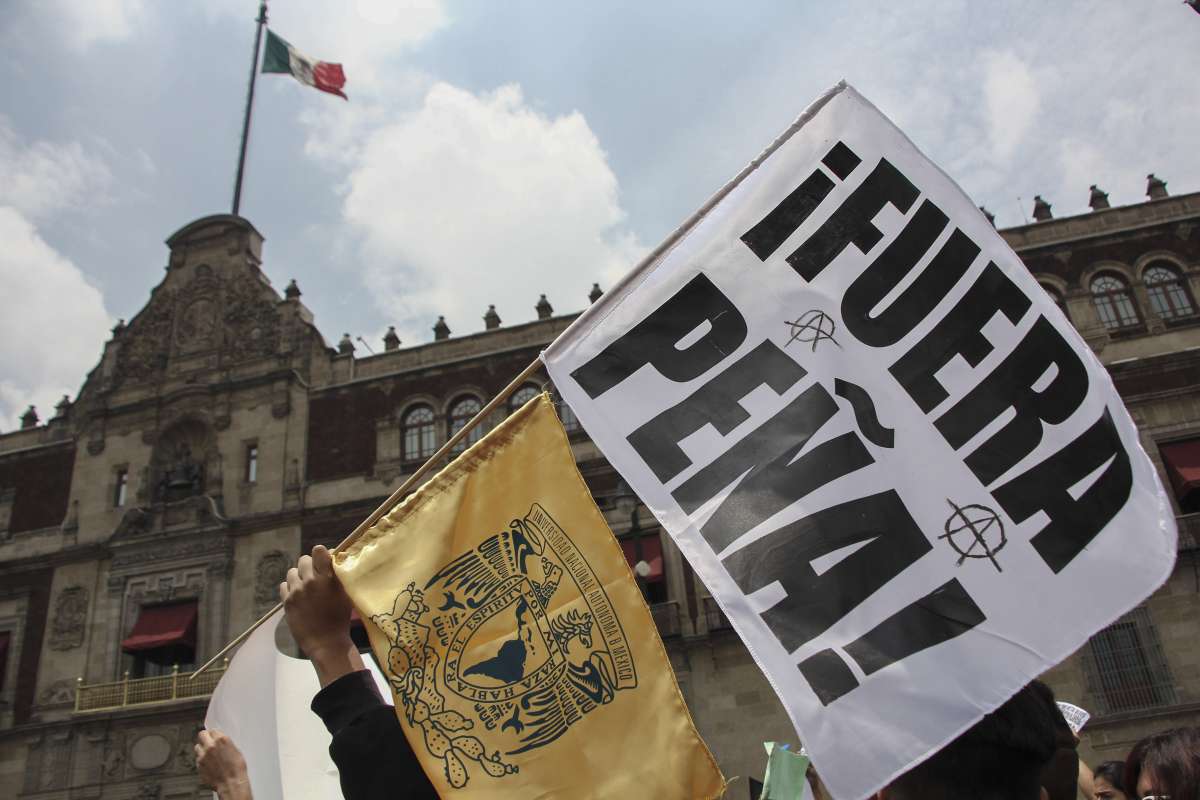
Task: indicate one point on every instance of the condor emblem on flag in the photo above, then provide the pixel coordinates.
(513, 635)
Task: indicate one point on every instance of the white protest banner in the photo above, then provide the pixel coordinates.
(902, 474)
(262, 704)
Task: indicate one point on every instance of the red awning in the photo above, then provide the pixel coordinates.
(1182, 460)
(163, 626)
(651, 554)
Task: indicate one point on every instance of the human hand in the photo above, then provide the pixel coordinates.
(318, 615)
(221, 765)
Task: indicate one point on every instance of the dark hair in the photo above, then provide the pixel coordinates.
(1174, 758)
(1000, 758)
(1113, 772)
(1060, 775)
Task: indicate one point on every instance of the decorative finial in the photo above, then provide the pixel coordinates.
(346, 345)
(119, 328)
(491, 320)
(1156, 188)
(543, 308)
(292, 292)
(391, 341)
(1099, 199)
(441, 330)
(595, 293)
(29, 419)
(63, 407)
(1041, 209)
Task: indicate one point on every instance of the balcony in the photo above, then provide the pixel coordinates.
(131, 692)
(666, 618)
(1189, 531)
(714, 617)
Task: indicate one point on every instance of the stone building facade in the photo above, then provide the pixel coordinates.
(150, 519)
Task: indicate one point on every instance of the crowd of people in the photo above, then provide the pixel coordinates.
(1024, 750)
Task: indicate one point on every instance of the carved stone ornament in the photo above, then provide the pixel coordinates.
(58, 693)
(114, 757)
(251, 323)
(70, 618)
(143, 353)
(185, 752)
(196, 327)
(149, 791)
(150, 752)
(271, 571)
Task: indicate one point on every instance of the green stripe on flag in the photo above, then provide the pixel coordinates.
(277, 57)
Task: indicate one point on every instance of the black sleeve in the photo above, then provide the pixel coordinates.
(369, 748)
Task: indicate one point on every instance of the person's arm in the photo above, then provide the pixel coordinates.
(1087, 784)
(221, 766)
(373, 757)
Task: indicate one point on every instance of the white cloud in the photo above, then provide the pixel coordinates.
(53, 316)
(471, 200)
(1012, 100)
(86, 22)
(44, 177)
(52, 323)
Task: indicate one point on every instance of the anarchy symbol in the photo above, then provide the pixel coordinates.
(813, 326)
(981, 531)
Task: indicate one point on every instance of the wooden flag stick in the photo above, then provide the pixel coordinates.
(395, 496)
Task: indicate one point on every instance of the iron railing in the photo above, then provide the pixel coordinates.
(1189, 531)
(666, 618)
(714, 617)
(144, 691)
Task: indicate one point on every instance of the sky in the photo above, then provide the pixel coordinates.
(491, 152)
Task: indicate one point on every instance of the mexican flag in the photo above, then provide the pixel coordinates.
(282, 57)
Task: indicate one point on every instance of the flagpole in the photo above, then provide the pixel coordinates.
(395, 496)
(237, 184)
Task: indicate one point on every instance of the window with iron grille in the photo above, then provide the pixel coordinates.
(1126, 667)
(462, 412)
(522, 396)
(1055, 297)
(1114, 302)
(1168, 296)
(420, 437)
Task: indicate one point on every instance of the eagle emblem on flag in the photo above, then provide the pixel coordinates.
(531, 645)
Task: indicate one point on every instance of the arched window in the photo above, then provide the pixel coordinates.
(461, 413)
(420, 434)
(1168, 296)
(1114, 302)
(569, 420)
(1055, 296)
(522, 396)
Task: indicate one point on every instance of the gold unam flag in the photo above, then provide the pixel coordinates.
(521, 655)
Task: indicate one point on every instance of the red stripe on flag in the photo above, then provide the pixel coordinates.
(329, 78)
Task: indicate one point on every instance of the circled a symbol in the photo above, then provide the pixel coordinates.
(813, 326)
(975, 531)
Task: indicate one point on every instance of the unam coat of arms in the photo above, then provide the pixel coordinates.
(531, 645)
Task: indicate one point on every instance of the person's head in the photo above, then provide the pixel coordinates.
(1165, 764)
(1107, 780)
(1000, 758)
(1060, 775)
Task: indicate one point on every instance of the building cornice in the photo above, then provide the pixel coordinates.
(1096, 224)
